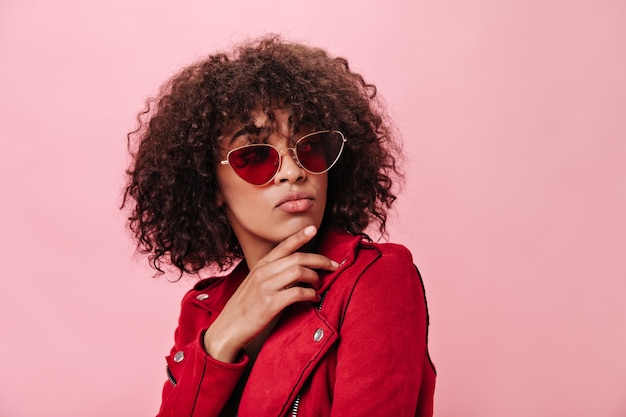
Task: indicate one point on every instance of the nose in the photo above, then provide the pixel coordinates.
(290, 169)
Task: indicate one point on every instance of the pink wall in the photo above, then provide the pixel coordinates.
(514, 116)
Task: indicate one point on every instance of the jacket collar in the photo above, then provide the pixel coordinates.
(341, 247)
(333, 242)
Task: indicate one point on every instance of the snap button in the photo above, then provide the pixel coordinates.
(202, 296)
(318, 335)
(179, 356)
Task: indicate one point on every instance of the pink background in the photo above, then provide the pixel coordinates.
(514, 118)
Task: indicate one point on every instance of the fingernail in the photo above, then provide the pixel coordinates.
(334, 264)
(309, 230)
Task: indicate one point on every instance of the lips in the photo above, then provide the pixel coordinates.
(296, 202)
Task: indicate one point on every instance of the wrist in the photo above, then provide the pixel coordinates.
(220, 348)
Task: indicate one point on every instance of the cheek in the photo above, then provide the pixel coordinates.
(323, 182)
(322, 186)
(237, 196)
(226, 185)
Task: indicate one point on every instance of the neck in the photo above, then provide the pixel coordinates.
(252, 254)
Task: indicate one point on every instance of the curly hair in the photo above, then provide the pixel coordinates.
(172, 187)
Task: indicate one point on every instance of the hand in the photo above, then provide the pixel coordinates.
(272, 284)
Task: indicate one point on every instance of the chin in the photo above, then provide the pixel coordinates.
(294, 225)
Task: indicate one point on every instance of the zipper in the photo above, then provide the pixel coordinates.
(170, 376)
(319, 306)
(296, 405)
(296, 402)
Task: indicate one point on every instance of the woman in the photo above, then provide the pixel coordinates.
(267, 164)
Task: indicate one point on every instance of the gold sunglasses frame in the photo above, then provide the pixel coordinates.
(293, 154)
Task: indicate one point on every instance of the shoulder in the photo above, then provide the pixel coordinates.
(388, 292)
(213, 292)
(390, 256)
(391, 275)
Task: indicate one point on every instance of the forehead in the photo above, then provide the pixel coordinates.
(260, 124)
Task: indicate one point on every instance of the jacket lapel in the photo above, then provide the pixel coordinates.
(299, 341)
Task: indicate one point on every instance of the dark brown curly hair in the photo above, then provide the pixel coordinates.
(172, 185)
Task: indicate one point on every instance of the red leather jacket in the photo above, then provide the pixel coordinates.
(362, 351)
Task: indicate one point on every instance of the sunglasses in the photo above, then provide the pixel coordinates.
(315, 152)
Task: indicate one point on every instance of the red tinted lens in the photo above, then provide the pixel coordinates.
(256, 164)
(318, 152)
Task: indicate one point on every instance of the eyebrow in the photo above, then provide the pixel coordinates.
(248, 130)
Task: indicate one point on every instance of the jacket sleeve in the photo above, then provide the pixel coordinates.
(197, 384)
(382, 351)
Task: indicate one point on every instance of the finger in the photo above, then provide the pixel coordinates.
(291, 244)
(298, 294)
(297, 267)
(299, 276)
(311, 260)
